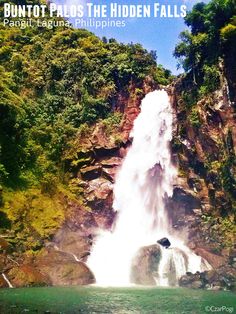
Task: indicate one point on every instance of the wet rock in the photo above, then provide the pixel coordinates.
(62, 269)
(145, 265)
(79, 220)
(99, 194)
(91, 173)
(193, 281)
(211, 276)
(213, 259)
(227, 276)
(216, 288)
(184, 205)
(187, 198)
(223, 278)
(200, 164)
(194, 182)
(164, 242)
(85, 222)
(27, 275)
(109, 174)
(170, 269)
(73, 242)
(110, 167)
(111, 162)
(103, 151)
(197, 284)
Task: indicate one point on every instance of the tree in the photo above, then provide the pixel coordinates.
(206, 43)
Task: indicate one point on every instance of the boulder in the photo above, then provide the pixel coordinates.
(213, 259)
(27, 275)
(73, 242)
(164, 242)
(211, 276)
(193, 281)
(223, 278)
(197, 284)
(145, 265)
(62, 269)
(216, 288)
(227, 276)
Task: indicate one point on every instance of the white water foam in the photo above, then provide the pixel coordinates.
(143, 182)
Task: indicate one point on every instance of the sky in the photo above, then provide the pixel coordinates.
(159, 34)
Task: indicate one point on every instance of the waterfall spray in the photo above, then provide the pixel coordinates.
(142, 184)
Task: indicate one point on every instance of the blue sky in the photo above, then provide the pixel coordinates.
(160, 34)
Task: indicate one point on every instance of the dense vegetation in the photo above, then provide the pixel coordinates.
(55, 84)
(210, 41)
(207, 53)
(52, 82)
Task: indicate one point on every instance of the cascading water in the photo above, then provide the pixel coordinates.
(143, 182)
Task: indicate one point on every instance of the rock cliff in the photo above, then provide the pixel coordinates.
(203, 202)
(202, 206)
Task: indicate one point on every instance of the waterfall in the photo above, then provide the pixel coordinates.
(143, 182)
(7, 281)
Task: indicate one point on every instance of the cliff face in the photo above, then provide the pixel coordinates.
(91, 162)
(204, 144)
(204, 147)
(202, 206)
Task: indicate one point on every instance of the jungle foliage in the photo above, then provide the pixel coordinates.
(52, 82)
(210, 42)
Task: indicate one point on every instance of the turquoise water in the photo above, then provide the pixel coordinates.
(115, 300)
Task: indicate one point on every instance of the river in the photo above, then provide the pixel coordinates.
(135, 300)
